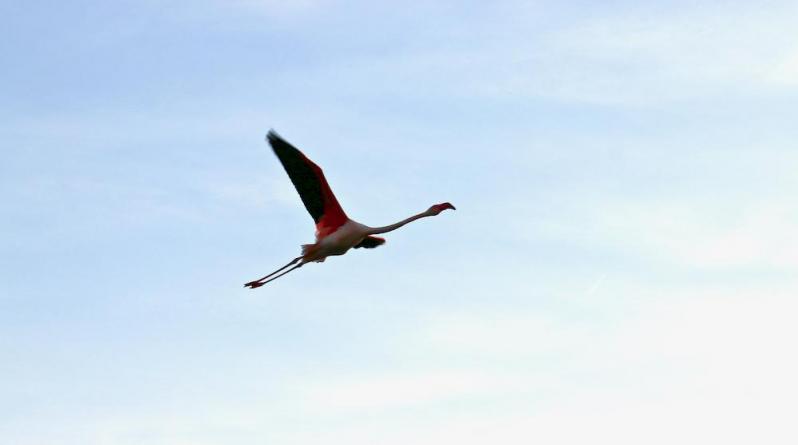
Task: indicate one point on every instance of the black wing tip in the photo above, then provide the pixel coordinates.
(278, 143)
(272, 137)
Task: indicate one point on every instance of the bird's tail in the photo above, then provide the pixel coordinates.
(310, 252)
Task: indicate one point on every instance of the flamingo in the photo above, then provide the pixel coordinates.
(335, 232)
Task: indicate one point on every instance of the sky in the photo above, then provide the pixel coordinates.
(621, 268)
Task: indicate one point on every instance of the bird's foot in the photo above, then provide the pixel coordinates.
(253, 284)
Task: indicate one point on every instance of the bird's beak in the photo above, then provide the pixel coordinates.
(447, 205)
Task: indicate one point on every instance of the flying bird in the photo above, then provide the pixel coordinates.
(335, 232)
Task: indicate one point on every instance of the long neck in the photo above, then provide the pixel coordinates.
(376, 230)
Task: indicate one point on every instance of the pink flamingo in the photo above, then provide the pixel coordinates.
(335, 232)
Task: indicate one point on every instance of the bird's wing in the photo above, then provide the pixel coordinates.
(370, 242)
(309, 181)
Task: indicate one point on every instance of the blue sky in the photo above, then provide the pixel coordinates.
(621, 267)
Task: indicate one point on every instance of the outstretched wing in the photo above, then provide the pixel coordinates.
(370, 242)
(309, 181)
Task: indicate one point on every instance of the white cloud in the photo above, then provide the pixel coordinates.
(701, 234)
(786, 71)
(401, 390)
(629, 59)
(638, 59)
(698, 366)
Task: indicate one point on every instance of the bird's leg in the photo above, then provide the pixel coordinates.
(253, 284)
(261, 283)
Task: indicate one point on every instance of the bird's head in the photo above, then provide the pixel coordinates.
(438, 208)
